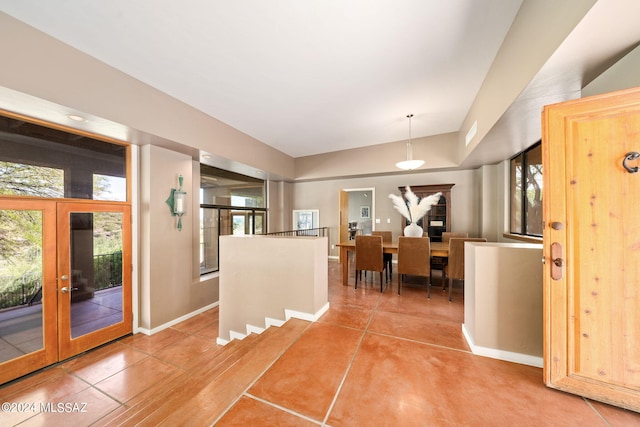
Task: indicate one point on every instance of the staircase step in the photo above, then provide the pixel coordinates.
(154, 397)
(210, 383)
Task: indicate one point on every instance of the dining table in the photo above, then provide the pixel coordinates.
(438, 249)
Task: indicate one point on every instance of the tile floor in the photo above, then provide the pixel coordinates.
(372, 360)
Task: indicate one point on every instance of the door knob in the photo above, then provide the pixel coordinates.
(64, 277)
(64, 290)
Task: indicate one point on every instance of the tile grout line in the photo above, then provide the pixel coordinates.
(246, 391)
(282, 408)
(355, 353)
(590, 405)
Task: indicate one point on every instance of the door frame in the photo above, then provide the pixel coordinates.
(48, 355)
(67, 345)
(56, 327)
(343, 210)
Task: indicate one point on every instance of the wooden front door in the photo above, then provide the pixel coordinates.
(592, 247)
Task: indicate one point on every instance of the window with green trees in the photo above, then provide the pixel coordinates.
(526, 192)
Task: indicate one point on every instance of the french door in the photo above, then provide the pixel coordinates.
(65, 280)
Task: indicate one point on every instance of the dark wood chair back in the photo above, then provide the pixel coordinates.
(386, 235)
(446, 235)
(388, 258)
(369, 256)
(414, 258)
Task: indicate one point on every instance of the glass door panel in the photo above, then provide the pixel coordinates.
(27, 287)
(96, 271)
(94, 264)
(239, 224)
(21, 329)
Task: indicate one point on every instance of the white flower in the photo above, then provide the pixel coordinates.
(415, 210)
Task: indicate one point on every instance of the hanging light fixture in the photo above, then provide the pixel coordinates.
(409, 163)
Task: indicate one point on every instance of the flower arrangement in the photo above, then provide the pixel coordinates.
(414, 209)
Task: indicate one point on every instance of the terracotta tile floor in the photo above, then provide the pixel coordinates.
(372, 360)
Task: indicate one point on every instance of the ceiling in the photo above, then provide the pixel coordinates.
(305, 77)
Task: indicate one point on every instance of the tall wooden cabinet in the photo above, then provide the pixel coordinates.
(438, 219)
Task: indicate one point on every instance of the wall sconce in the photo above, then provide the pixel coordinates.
(177, 202)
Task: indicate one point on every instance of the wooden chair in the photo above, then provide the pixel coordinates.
(414, 258)
(369, 256)
(446, 235)
(440, 262)
(387, 258)
(454, 270)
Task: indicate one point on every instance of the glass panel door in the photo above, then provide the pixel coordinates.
(94, 264)
(27, 287)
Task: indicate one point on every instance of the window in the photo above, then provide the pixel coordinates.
(38, 161)
(230, 204)
(526, 192)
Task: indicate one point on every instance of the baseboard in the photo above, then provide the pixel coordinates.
(252, 329)
(508, 356)
(269, 321)
(175, 321)
(233, 335)
(288, 314)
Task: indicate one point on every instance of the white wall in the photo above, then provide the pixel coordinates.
(624, 74)
(503, 301)
(286, 273)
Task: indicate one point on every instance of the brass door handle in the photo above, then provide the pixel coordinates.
(557, 266)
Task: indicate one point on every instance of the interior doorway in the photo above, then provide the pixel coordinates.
(357, 212)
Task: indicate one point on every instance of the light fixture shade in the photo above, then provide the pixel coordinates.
(179, 202)
(409, 164)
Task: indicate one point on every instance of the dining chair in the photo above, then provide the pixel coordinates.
(438, 263)
(454, 269)
(414, 258)
(387, 258)
(446, 235)
(369, 256)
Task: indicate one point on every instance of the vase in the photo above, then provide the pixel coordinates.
(413, 230)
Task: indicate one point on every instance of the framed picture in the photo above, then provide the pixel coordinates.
(364, 212)
(306, 219)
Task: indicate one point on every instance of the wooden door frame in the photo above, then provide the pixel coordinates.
(54, 320)
(68, 346)
(48, 355)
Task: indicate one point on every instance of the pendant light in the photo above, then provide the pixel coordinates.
(409, 163)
